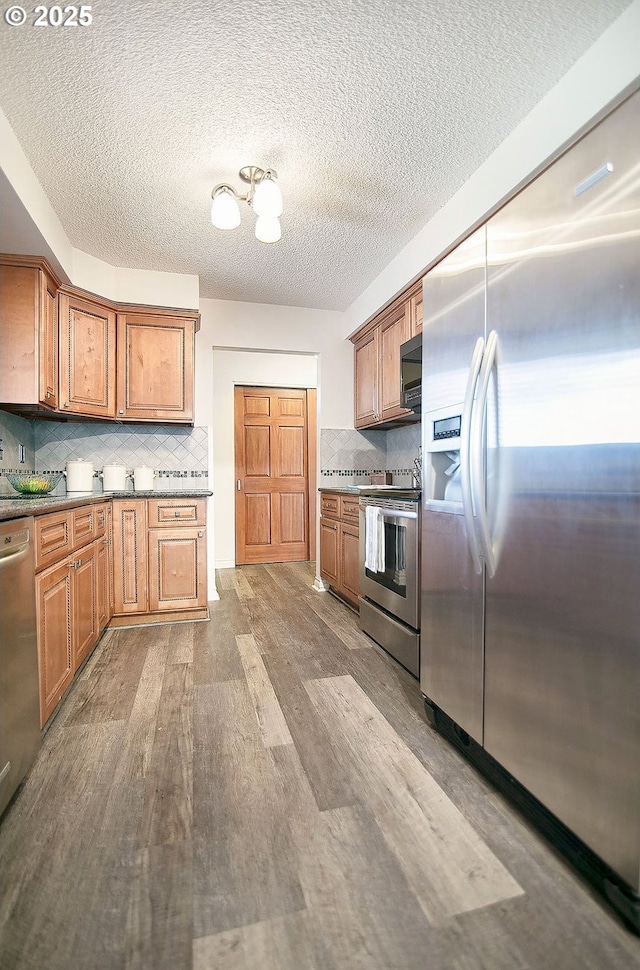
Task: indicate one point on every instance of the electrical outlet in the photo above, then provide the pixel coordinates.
(21, 454)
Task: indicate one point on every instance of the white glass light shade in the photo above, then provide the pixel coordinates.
(267, 199)
(225, 211)
(268, 229)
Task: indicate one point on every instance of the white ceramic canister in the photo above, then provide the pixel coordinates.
(79, 476)
(114, 478)
(143, 478)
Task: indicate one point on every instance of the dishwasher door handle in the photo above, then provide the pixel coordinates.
(10, 555)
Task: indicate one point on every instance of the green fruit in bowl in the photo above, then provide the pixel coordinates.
(36, 484)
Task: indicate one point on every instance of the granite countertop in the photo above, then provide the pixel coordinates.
(16, 508)
(398, 490)
(341, 489)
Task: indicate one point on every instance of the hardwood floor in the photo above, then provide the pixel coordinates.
(263, 791)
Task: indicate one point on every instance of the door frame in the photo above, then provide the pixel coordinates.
(312, 456)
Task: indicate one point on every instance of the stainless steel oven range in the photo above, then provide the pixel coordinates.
(389, 573)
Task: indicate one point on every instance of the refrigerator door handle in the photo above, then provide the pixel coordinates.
(465, 455)
(478, 484)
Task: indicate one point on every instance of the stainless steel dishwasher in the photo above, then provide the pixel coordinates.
(19, 696)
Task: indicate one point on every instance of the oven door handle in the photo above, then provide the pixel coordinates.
(398, 515)
(465, 455)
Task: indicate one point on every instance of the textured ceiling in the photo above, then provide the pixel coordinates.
(372, 112)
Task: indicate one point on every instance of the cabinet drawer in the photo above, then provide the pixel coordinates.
(172, 512)
(101, 520)
(350, 509)
(330, 505)
(54, 540)
(84, 525)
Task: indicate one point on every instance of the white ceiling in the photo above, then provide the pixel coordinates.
(373, 113)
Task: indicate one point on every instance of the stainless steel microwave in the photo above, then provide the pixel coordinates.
(411, 374)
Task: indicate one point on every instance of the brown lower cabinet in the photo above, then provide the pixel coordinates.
(70, 566)
(160, 560)
(339, 544)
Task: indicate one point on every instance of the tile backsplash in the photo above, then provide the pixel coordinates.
(349, 457)
(178, 454)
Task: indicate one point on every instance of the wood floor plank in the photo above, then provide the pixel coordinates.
(167, 815)
(44, 883)
(359, 902)
(340, 619)
(446, 863)
(325, 772)
(225, 579)
(159, 931)
(282, 943)
(243, 586)
(242, 843)
(271, 720)
(215, 650)
(105, 690)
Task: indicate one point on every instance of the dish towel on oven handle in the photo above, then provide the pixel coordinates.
(374, 552)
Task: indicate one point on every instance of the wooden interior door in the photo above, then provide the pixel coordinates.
(272, 475)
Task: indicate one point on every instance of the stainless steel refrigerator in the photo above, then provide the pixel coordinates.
(530, 606)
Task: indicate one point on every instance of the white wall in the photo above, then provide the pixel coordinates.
(248, 343)
(230, 368)
(611, 66)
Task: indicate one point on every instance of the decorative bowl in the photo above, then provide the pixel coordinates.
(34, 483)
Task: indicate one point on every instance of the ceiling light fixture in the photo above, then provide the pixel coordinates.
(263, 195)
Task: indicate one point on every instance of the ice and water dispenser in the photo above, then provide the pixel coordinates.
(441, 454)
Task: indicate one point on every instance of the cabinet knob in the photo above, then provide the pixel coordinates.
(200, 534)
(121, 411)
(177, 513)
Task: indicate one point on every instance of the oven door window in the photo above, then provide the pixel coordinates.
(394, 576)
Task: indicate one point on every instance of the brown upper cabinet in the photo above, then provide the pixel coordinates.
(155, 367)
(28, 335)
(87, 357)
(67, 352)
(377, 361)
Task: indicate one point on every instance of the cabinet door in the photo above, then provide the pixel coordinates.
(417, 307)
(366, 380)
(350, 562)
(104, 584)
(177, 569)
(48, 341)
(155, 368)
(85, 602)
(130, 588)
(28, 335)
(394, 330)
(329, 551)
(87, 357)
(55, 647)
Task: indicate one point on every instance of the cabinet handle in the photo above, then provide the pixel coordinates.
(121, 411)
(106, 542)
(66, 404)
(200, 534)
